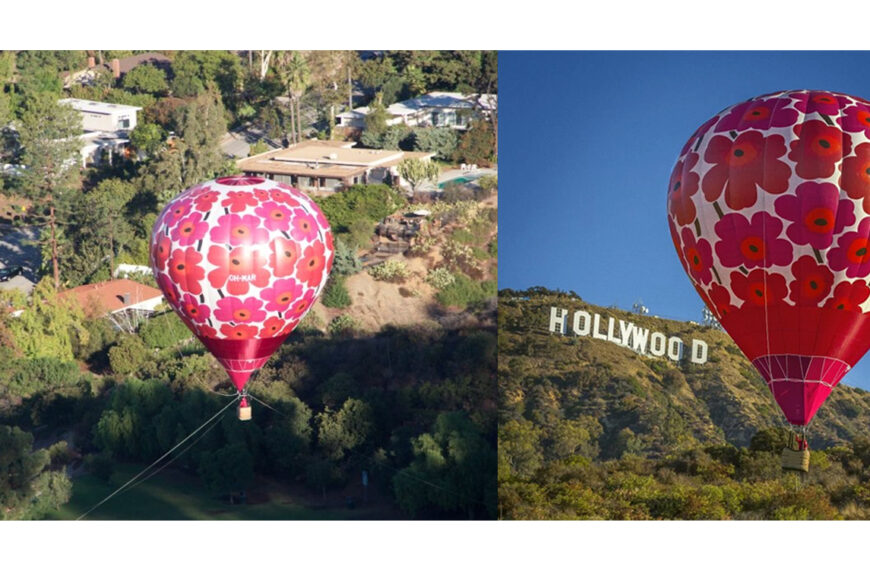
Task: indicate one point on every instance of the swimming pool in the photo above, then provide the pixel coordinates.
(460, 180)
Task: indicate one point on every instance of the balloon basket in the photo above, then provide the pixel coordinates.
(796, 460)
(244, 411)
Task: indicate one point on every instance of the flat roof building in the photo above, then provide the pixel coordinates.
(327, 165)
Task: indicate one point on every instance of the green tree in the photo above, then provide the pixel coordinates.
(417, 171)
(345, 429)
(28, 488)
(478, 144)
(376, 118)
(48, 325)
(441, 141)
(50, 154)
(128, 355)
(227, 469)
(453, 469)
(146, 79)
(201, 124)
(295, 76)
(148, 137)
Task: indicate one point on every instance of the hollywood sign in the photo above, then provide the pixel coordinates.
(630, 335)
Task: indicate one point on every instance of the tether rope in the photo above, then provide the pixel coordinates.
(179, 444)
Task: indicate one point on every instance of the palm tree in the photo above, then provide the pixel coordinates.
(296, 77)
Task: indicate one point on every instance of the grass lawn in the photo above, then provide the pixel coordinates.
(174, 495)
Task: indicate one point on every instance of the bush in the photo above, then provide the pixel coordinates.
(392, 270)
(128, 355)
(369, 202)
(336, 296)
(342, 325)
(34, 375)
(164, 331)
(440, 278)
(464, 292)
(346, 262)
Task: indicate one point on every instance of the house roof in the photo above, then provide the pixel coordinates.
(433, 100)
(108, 296)
(154, 58)
(329, 159)
(101, 107)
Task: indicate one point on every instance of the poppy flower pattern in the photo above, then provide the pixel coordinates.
(241, 258)
(778, 188)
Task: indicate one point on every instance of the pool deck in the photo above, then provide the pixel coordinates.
(448, 175)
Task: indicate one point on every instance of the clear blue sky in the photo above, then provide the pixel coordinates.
(587, 141)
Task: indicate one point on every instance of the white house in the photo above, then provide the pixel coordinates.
(436, 109)
(106, 127)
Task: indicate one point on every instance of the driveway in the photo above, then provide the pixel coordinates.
(16, 249)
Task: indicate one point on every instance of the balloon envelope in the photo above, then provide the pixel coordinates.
(769, 211)
(241, 260)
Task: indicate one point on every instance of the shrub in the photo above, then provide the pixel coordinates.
(440, 278)
(391, 270)
(336, 296)
(369, 202)
(342, 325)
(128, 355)
(464, 292)
(34, 375)
(346, 262)
(164, 331)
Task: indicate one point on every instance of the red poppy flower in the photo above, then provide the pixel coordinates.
(261, 195)
(721, 301)
(818, 149)
(190, 229)
(206, 331)
(310, 268)
(757, 114)
(160, 251)
(240, 180)
(852, 252)
(698, 134)
(683, 185)
(759, 288)
(272, 327)
(170, 291)
(300, 306)
(283, 197)
(275, 216)
(856, 119)
(206, 200)
(816, 213)
(855, 179)
(751, 243)
(233, 309)
(812, 282)
(318, 213)
(281, 294)
(237, 269)
(184, 269)
(238, 332)
(193, 310)
(285, 254)
(303, 226)
(239, 230)
(822, 102)
(849, 296)
(741, 165)
(698, 255)
(238, 201)
(175, 211)
(198, 190)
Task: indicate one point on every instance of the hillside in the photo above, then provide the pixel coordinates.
(589, 429)
(664, 404)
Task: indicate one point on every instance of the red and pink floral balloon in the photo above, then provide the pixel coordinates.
(769, 211)
(241, 260)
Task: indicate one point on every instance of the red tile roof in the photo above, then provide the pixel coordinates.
(108, 296)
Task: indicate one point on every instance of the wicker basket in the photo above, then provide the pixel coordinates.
(244, 413)
(796, 460)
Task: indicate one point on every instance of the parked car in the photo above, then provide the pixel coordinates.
(7, 273)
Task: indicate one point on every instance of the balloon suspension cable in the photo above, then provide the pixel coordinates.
(161, 458)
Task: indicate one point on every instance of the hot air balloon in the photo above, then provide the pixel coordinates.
(769, 211)
(241, 260)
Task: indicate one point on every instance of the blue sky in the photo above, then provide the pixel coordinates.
(587, 141)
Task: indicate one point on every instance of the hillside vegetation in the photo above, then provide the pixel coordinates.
(590, 429)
